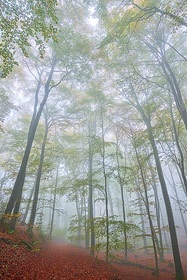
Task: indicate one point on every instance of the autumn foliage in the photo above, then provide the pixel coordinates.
(30, 258)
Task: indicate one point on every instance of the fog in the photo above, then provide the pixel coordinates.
(93, 143)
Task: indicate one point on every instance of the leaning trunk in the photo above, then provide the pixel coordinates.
(173, 234)
(172, 229)
(146, 201)
(18, 186)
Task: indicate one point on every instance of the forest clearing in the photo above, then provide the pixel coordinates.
(93, 139)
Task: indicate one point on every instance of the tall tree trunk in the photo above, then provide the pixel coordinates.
(178, 201)
(42, 209)
(180, 177)
(86, 225)
(15, 213)
(122, 198)
(173, 234)
(165, 233)
(22, 171)
(28, 203)
(170, 78)
(157, 205)
(38, 179)
(148, 211)
(50, 209)
(79, 221)
(54, 203)
(142, 223)
(181, 163)
(18, 186)
(90, 199)
(110, 201)
(105, 186)
(175, 89)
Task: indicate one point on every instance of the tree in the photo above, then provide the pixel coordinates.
(20, 21)
(91, 138)
(176, 254)
(15, 199)
(123, 18)
(121, 183)
(54, 202)
(39, 174)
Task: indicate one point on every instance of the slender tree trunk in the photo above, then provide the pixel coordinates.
(148, 211)
(180, 178)
(105, 187)
(142, 222)
(176, 91)
(181, 163)
(79, 222)
(170, 78)
(178, 201)
(173, 234)
(18, 186)
(38, 179)
(86, 225)
(22, 171)
(122, 198)
(165, 233)
(54, 203)
(90, 199)
(110, 201)
(50, 209)
(157, 205)
(42, 210)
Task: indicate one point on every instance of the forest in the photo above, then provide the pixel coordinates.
(93, 139)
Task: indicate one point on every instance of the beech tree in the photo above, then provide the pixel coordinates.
(20, 21)
(95, 130)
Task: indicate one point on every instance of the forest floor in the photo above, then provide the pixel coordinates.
(24, 258)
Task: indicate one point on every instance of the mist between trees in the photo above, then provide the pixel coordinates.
(93, 124)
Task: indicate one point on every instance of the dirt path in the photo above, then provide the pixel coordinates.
(64, 262)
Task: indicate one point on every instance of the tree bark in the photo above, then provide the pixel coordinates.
(28, 203)
(181, 163)
(157, 205)
(170, 78)
(54, 203)
(148, 211)
(173, 234)
(38, 179)
(90, 199)
(178, 201)
(142, 221)
(18, 186)
(105, 187)
(122, 198)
